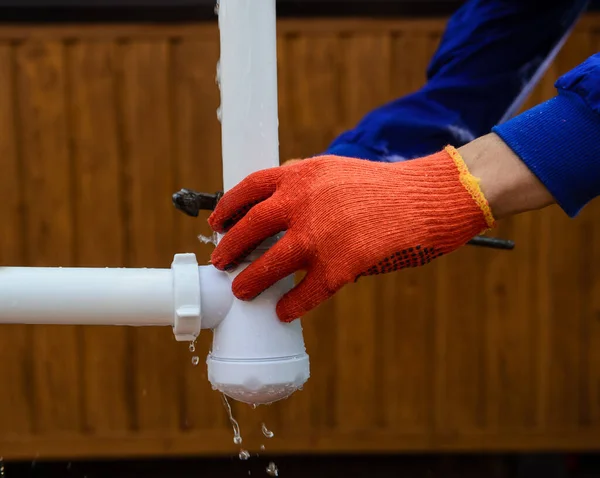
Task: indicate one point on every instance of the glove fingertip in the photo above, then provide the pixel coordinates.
(215, 223)
(242, 290)
(220, 263)
(285, 313)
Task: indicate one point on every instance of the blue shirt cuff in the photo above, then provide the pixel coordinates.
(559, 141)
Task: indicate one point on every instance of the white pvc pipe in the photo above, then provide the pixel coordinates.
(255, 357)
(90, 296)
(248, 76)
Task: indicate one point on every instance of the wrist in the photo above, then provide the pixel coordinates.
(506, 182)
(558, 141)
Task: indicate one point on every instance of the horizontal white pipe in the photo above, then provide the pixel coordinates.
(248, 76)
(90, 296)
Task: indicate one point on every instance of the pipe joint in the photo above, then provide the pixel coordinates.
(187, 320)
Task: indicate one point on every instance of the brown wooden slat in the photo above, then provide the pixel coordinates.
(512, 317)
(99, 222)
(460, 312)
(367, 62)
(48, 189)
(412, 52)
(147, 129)
(312, 78)
(15, 341)
(564, 323)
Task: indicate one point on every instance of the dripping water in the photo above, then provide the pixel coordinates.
(244, 454)
(272, 470)
(266, 432)
(237, 437)
(218, 75)
(192, 348)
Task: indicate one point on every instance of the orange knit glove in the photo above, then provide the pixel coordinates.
(345, 218)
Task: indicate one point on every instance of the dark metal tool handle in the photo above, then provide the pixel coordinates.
(492, 243)
(191, 203)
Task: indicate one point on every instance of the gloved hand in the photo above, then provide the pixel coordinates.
(345, 218)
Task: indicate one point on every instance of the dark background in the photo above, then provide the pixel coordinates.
(50, 11)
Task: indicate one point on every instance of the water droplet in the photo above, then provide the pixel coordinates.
(272, 470)
(192, 347)
(237, 437)
(219, 114)
(254, 406)
(195, 360)
(262, 448)
(217, 7)
(1, 467)
(244, 454)
(208, 239)
(266, 432)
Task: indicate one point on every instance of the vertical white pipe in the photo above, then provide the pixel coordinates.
(248, 76)
(255, 357)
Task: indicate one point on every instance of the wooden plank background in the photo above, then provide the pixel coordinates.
(481, 350)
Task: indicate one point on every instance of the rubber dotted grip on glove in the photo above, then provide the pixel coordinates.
(411, 257)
